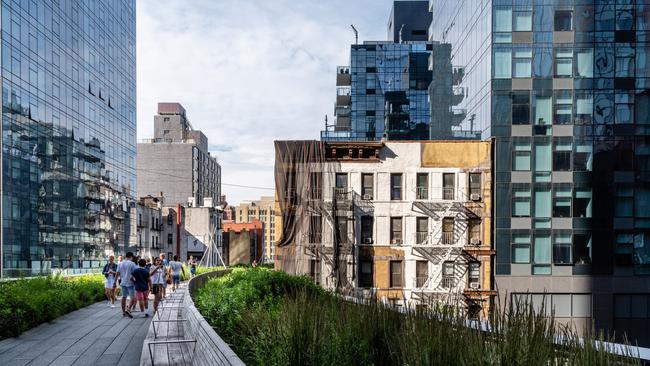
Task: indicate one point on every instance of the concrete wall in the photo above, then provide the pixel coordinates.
(239, 247)
(166, 168)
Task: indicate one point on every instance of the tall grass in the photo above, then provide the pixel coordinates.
(272, 318)
(26, 303)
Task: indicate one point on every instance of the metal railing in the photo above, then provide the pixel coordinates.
(447, 193)
(447, 237)
(447, 282)
(421, 193)
(421, 237)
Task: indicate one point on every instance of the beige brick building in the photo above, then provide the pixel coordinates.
(263, 210)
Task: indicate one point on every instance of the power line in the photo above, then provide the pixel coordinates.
(159, 172)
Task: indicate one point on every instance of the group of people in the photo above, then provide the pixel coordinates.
(138, 277)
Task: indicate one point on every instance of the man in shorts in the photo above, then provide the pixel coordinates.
(125, 274)
(176, 268)
(141, 283)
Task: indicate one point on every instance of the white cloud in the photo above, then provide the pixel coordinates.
(248, 72)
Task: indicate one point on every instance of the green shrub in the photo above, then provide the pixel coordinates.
(272, 318)
(26, 303)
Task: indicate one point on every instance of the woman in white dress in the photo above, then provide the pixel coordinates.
(109, 271)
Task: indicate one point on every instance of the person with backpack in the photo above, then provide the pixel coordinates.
(141, 284)
(176, 269)
(110, 284)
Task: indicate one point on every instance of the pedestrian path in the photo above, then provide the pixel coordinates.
(95, 335)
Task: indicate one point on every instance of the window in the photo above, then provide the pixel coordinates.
(367, 186)
(165, 119)
(521, 155)
(342, 229)
(448, 183)
(562, 248)
(421, 273)
(341, 180)
(584, 67)
(584, 107)
(474, 185)
(562, 200)
(521, 63)
(447, 274)
(624, 202)
(562, 155)
(170, 239)
(315, 229)
(624, 249)
(563, 107)
(523, 19)
(502, 64)
(563, 20)
(396, 230)
(396, 186)
(170, 219)
(314, 270)
(365, 273)
(543, 110)
(474, 231)
(563, 62)
(422, 184)
(366, 229)
(520, 107)
(581, 248)
(624, 60)
(624, 108)
(421, 229)
(582, 202)
(520, 248)
(396, 274)
(447, 230)
(521, 200)
(474, 275)
(542, 201)
(543, 154)
(542, 255)
(503, 19)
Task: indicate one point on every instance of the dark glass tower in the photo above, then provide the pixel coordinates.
(68, 132)
(562, 87)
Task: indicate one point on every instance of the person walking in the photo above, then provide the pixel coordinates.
(142, 283)
(158, 279)
(124, 273)
(165, 263)
(176, 269)
(192, 263)
(110, 272)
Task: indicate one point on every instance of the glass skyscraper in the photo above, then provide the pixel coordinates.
(562, 88)
(68, 132)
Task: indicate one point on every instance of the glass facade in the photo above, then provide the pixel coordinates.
(68, 132)
(388, 93)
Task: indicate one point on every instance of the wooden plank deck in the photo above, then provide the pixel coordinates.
(95, 335)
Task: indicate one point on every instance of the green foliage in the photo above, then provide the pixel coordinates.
(185, 276)
(272, 318)
(26, 303)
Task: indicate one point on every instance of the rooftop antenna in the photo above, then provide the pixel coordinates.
(356, 34)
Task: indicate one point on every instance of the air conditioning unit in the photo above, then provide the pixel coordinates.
(475, 241)
(475, 197)
(367, 197)
(475, 285)
(396, 241)
(367, 240)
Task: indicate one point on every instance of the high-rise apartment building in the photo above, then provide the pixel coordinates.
(263, 210)
(68, 133)
(176, 162)
(384, 91)
(562, 88)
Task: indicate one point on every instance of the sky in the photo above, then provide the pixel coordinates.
(248, 73)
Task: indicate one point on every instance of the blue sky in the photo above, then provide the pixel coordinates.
(248, 72)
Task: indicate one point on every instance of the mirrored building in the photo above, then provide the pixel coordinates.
(562, 88)
(68, 133)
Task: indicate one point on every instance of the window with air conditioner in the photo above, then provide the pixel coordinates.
(474, 275)
(366, 229)
(396, 230)
(396, 274)
(367, 186)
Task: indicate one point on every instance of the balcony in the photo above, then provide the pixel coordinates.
(448, 282)
(448, 193)
(343, 76)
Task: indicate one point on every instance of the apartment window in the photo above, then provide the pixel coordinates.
(421, 273)
(396, 230)
(474, 231)
(396, 279)
(542, 255)
(474, 185)
(582, 157)
(563, 62)
(365, 273)
(562, 201)
(448, 183)
(315, 270)
(582, 202)
(165, 119)
(562, 248)
(396, 186)
(315, 229)
(447, 274)
(170, 219)
(563, 107)
(543, 156)
(543, 201)
(624, 108)
(521, 155)
(563, 20)
(140, 220)
(502, 24)
(520, 107)
(584, 66)
(624, 60)
(341, 180)
(562, 155)
(502, 63)
(582, 248)
(520, 247)
(521, 200)
(543, 109)
(624, 249)
(624, 202)
(521, 63)
(448, 230)
(474, 275)
(523, 19)
(342, 229)
(170, 239)
(421, 229)
(422, 186)
(366, 229)
(367, 185)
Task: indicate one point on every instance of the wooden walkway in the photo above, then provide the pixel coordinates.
(95, 335)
